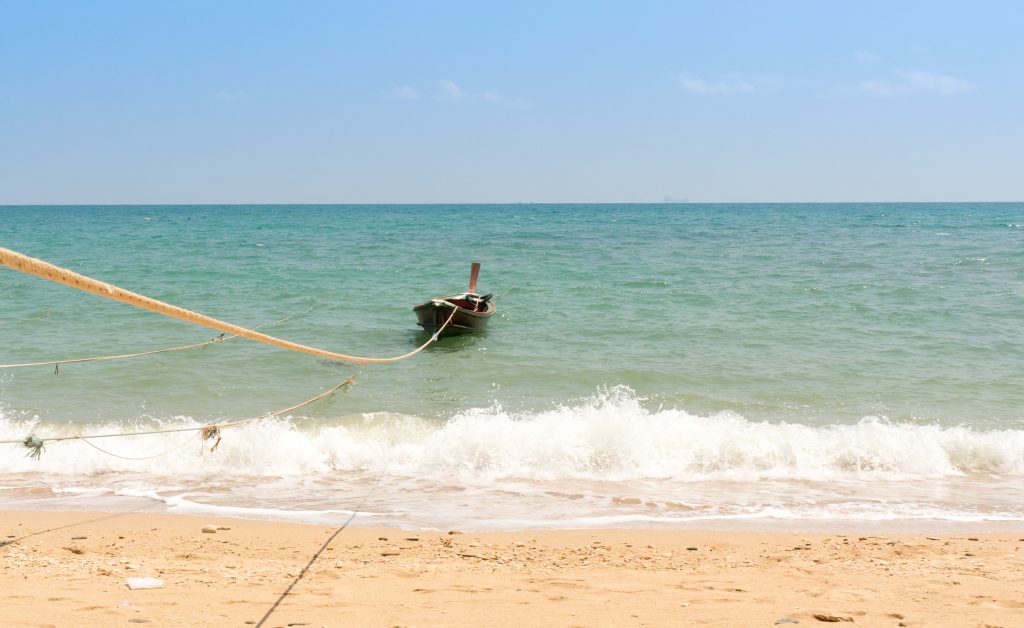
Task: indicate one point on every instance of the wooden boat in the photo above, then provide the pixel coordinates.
(472, 310)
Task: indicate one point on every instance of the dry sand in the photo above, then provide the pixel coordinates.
(63, 569)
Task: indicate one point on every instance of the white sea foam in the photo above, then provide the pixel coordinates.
(181, 505)
(610, 437)
(606, 460)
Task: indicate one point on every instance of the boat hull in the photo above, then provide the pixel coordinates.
(431, 316)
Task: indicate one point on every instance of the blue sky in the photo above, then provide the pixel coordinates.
(417, 102)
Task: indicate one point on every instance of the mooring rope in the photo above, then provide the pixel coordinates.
(159, 455)
(56, 363)
(77, 523)
(319, 552)
(208, 432)
(70, 278)
(503, 293)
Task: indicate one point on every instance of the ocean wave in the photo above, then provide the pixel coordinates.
(611, 436)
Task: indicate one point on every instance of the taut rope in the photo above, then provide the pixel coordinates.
(56, 363)
(210, 431)
(159, 455)
(48, 271)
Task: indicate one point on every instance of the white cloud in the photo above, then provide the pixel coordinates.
(229, 95)
(405, 92)
(939, 83)
(450, 90)
(730, 84)
(915, 81)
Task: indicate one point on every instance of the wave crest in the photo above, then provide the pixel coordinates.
(609, 437)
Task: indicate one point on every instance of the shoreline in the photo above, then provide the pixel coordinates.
(366, 519)
(72, 567)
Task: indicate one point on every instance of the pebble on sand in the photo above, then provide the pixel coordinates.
(831, 618)
(144, 583)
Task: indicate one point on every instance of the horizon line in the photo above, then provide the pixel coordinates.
(496, 203)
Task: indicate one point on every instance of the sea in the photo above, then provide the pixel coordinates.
(735, 366)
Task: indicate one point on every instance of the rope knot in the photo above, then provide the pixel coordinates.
(35, 445)
(211, 432)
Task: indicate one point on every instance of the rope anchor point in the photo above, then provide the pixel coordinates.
(35, 446)
(210, 432)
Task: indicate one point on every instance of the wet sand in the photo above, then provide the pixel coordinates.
(60, 569)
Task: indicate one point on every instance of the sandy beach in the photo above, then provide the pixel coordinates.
(59, 569)
(526, 314)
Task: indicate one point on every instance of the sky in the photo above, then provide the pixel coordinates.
(165, 102)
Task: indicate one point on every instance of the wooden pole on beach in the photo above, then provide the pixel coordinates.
(474, 271)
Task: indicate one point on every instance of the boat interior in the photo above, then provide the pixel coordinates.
(470, 301)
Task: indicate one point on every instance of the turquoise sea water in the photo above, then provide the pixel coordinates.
(650, 364)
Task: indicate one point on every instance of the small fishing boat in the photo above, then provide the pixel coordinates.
(472, 310)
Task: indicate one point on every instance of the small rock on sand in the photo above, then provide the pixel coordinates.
(210, 529)
(144, 583)
(831, 618)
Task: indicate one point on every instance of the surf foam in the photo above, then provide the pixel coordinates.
(611, 436)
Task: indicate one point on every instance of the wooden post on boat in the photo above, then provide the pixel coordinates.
(474, 271)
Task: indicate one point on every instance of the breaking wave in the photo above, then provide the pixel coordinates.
(608, 437)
